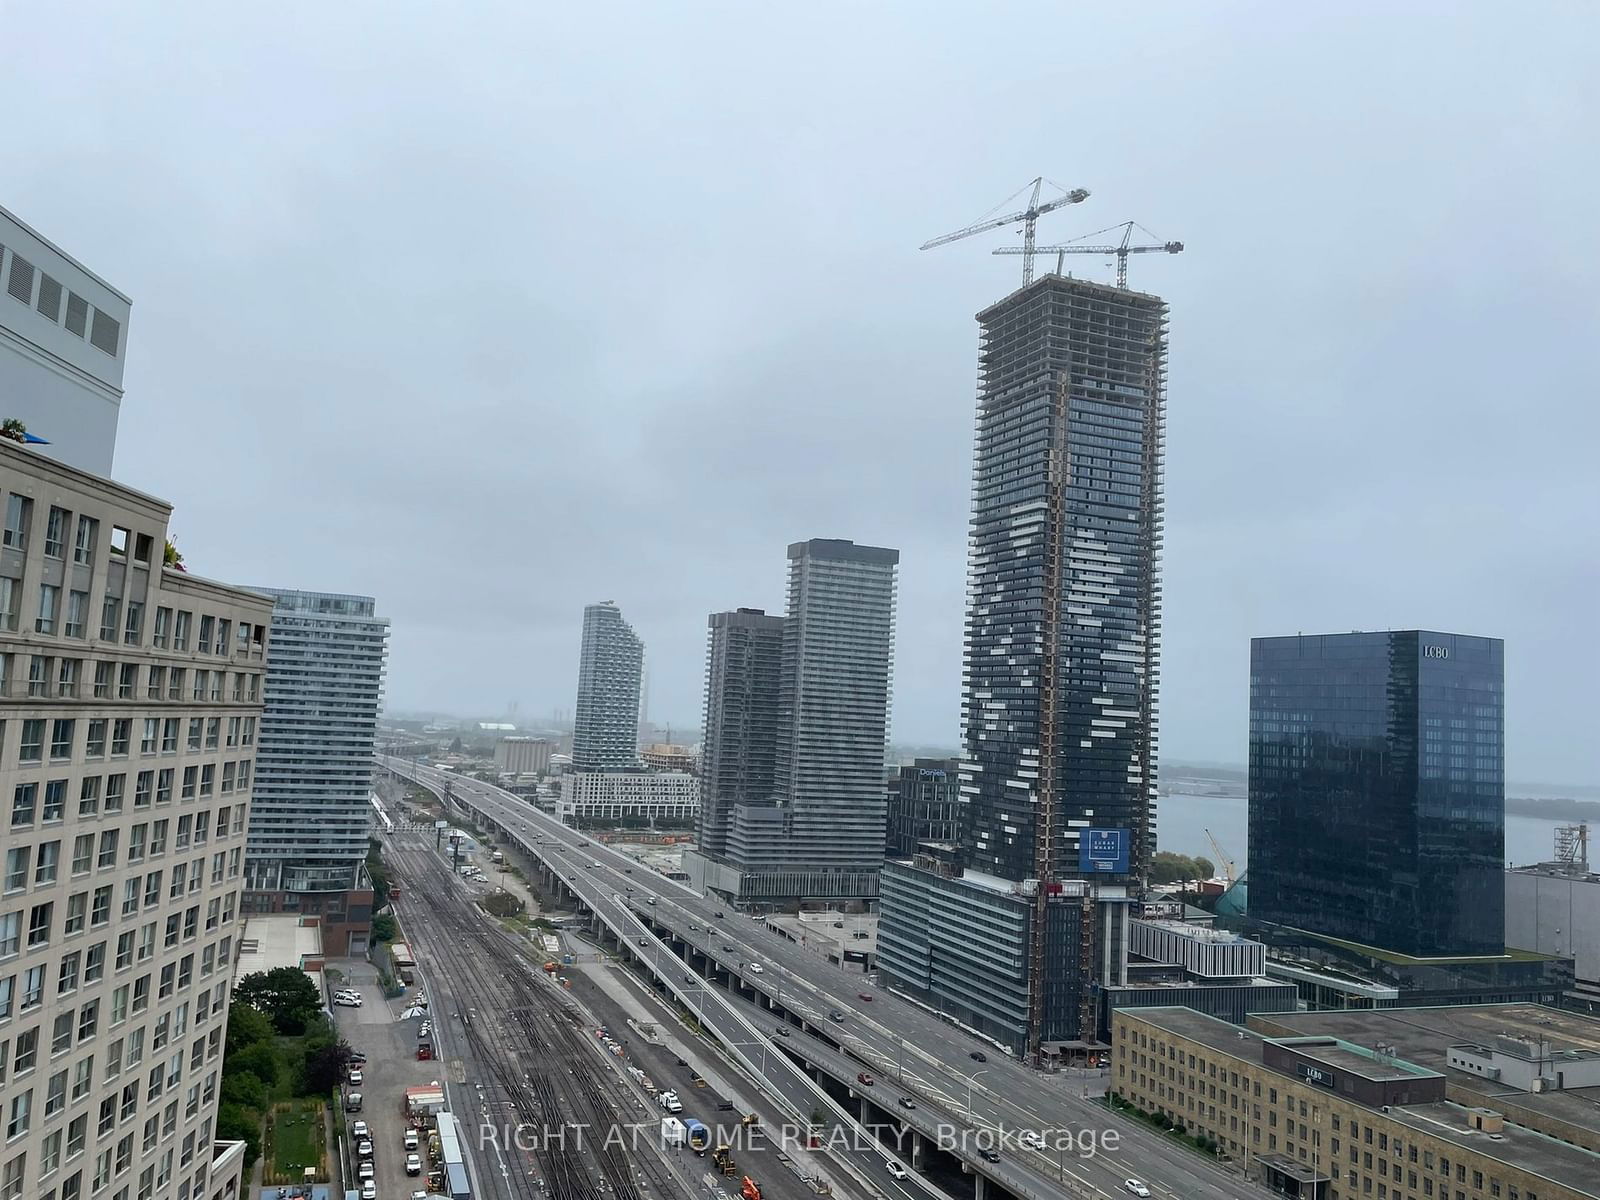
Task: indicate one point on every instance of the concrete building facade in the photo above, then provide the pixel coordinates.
(522, 755)
(1062, 651)
(312, 814)
(629, 798)
(63, 342)
(605, 732)
(1555, 909)
(1326, 1118)
(127, 754)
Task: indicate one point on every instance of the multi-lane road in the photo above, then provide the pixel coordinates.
(909, 1049)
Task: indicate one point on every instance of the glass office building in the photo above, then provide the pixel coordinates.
(1377, 789)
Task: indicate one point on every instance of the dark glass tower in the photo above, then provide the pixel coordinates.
(744, 656)
(1064, 608)
(1377, 789)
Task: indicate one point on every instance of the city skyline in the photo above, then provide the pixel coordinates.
(818, 327)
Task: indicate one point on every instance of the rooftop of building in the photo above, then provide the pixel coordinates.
(1515, 1145)
(1226, 1038)
(1199, 933)
(844, 550)
(1426, 1035)
(280, 940)
(1103, 290)
(12, 217)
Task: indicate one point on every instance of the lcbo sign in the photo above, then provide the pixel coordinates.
(1436, 652)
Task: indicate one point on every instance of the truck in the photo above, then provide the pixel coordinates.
(669, 1101)
(673, 1132)
(497, 858)
(699, 1135)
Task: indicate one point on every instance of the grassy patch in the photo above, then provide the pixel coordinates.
(1199, 1143)
(295, 1140)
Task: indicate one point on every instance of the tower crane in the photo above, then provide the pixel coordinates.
(1222, 856)
(1028, 218)
(1121, 249)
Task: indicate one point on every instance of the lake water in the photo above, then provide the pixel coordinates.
(1182, 821)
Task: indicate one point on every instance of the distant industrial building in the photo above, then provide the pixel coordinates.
(311, 816)
(522, 755)
(63, 342)
(819, 835)
(1554, 909)
(1407, 1107)
(1189, 963)
(605, 735)
(924, 805)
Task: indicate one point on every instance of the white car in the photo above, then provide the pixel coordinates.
(347, 1001)
(1137, 1188)
(896, 1171)
(355, 1076)
(1031, 1139)
(358, 1129)
(369, 1190)
(365, 1171)
(755, 968)
(413, 1164)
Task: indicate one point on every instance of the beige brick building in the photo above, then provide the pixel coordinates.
(1327, 1119)
(130, 696)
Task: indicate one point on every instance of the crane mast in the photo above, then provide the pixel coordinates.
(1028, 218)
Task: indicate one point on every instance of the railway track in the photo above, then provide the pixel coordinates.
(533, 1061)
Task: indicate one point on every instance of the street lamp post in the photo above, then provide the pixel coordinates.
(970, 1081)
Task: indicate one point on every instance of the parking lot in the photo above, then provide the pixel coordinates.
(391, 1049)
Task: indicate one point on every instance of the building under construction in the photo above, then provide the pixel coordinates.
(1011, 929)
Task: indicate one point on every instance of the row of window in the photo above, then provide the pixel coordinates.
(158, 736)
(40, 865)
(62, 677)
(47, 803)
(93, 910)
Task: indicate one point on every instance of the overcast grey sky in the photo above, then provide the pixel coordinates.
(495, 310)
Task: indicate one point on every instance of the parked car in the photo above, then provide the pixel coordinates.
(365, 1170)
(356, 1057)
(364, 1148)
(358, 1129)
(369, 1190)
(1137, 1188)
(865, 1080)
(413, 1164)
(352, 1102)
(347, 1001)
(411, 1139)
(355, 1076)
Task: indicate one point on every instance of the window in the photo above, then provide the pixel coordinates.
(213, 732)
(110, 614)
(77, 910)
(114, 789)
(201, 678)
(55, 532)
(144, 789)
(155, 683)
(61, 737)
(61, 1038)
(27, 1055)
(207, 780)
(169, 736)
(158, 838)
(17, 1124)
(107, 859)
(47, 864)
(67, 679)
(102, 680)
(77, 614)
(89, 796)
(127, 680)
(49, 605)
(191, 776)
(39, 924)
(175, 689)
(38, 675)
(23, 804)
(224, 629)
(83, 543)
(94, 962)
(164, 786)
(203, 644)
(180, 630)
(19, 515)
(137, 836)
(100, 906)
(83, 851)
(17, 868)
(159, 635)
(134, 625)
(9, 604)
(121, 736)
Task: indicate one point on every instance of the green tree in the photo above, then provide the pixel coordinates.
(260, 1060)
(384, 928)
(324, 1067)
(285, 994)
(246, 1027)
(244, 1089)
(1205, 868)
(378, 873)
(1167, 867)
(237, 1124)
